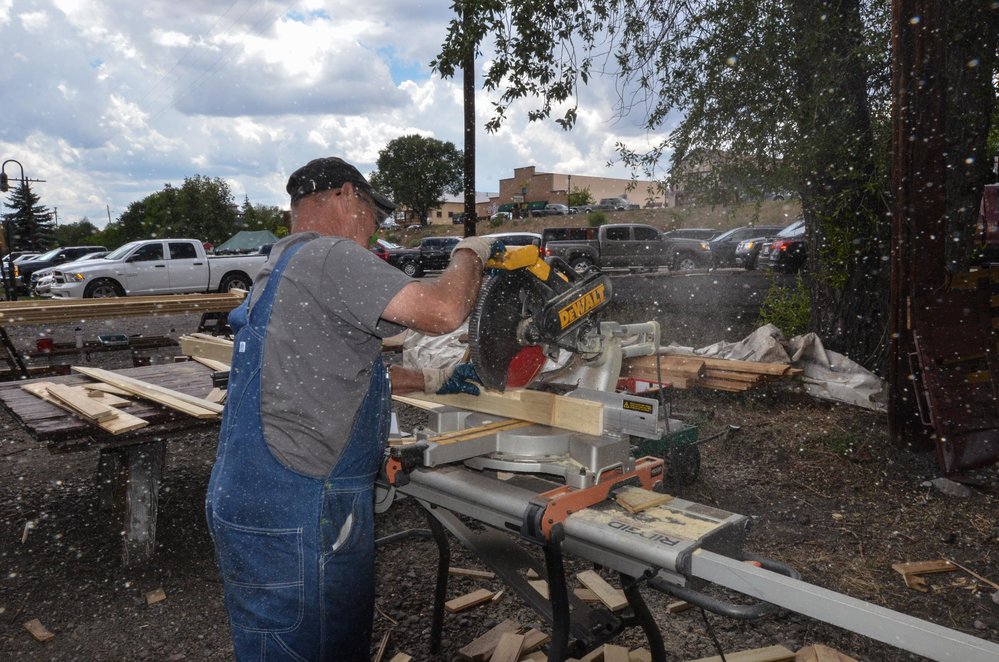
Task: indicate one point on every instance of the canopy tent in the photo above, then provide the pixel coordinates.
(246, 241)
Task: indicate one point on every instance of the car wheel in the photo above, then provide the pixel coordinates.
(235, 281)
(410, 269)
(103, 288)
(581, 264)
(685, 263)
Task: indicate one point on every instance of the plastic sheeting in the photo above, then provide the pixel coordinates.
(827, 375)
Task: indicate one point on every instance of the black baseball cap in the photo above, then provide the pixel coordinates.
(330, 173)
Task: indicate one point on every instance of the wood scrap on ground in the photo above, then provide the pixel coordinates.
(912, 573)
(688, 371)
(401, 657)
(508, 648)
(154, 596)
(469, 600)
(820, 653)
(382, 646)
(482, 647)
(767, 654)
(37, 630)
(612, 598)
(469, 572)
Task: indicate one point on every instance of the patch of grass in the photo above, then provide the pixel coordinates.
(596, 218)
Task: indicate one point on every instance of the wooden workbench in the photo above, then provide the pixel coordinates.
(130, 465)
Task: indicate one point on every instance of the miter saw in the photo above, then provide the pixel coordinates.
(566, 486)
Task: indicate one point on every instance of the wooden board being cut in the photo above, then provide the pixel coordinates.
(526, 405)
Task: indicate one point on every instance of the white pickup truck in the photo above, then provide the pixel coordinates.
(155, 266)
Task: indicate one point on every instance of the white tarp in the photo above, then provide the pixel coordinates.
(828, 375)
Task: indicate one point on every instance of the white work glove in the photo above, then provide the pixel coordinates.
(460, 378)
(484, 248)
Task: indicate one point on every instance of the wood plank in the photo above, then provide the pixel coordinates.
(820, 653)
(188, 404)
(482, 647)
(109, 399)
(586, 595)
(767, 654)
(469, 572)
(104, 388)
(636, 499)
(415, 402)
(691, 366)
(217, 395)
(776, 369)
(401, 657)
(85, 406)
(924, 567)
(678, 607)
(478, 432)
(612, 598)
(382, 646)
(539, 585)
(614, 653)
(640, 655)
(123, 422)
(508, 648)
(534, 639)
(217, 366)
(535, 406)
(469, 600)
(724, 385)
(734, 376)
(38, 631)
(198, 348)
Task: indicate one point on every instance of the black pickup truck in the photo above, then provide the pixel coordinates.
(626, 245)
(433, 254)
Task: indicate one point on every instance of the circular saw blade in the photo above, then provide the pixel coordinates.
(492, 326)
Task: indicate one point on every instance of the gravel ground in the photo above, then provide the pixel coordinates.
(826, 492)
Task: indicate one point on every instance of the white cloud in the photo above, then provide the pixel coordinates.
(121, 98)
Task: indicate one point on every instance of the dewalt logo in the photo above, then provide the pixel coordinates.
(582, 305)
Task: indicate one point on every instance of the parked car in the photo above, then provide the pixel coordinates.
(52, 258)
(18, 257)
(553, 210)
(389, 224)
(156, 266)
(628, 245)
(611, 204)
(516, 238)
(748, 251)
(383, 247)
(41, 280)
(501, 216)
(566, 234)
(723, 246)
(433, 254)
(786, 253)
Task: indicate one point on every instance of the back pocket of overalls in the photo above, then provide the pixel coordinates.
(263, 576)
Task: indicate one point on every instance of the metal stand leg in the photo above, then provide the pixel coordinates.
(643, 617)
(440, 590)
(558, 594)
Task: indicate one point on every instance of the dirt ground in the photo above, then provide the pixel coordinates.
(827, 494)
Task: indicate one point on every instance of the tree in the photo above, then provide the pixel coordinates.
(80, 233)
(31, 224)
(202, 208)
(580, 197)
(776, 94)
(416, 172)
(263, 217)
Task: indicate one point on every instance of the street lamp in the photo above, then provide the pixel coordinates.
(10, 290)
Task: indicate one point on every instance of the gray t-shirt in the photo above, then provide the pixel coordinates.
(323, 337)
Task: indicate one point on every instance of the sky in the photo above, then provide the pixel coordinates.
(109, 100)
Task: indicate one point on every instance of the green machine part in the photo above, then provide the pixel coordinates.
(678, 447)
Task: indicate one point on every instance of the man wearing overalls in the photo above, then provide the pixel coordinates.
(290, 501)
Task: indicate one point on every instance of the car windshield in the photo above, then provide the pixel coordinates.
(725, 235)
(48, 256)
(121, 252)
(792, 230)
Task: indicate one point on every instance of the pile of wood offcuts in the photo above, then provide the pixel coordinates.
(688, 371)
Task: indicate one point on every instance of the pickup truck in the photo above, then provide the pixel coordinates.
(433, 254)
(626, 245)
(155, 266)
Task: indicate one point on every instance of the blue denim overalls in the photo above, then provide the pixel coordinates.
(296, 553)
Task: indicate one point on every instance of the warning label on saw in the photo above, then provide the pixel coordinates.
(634, 405)
(582, 305)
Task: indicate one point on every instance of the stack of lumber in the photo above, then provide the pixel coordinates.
(176, 400)
(98, 407)
(54, 311)
(688, 371)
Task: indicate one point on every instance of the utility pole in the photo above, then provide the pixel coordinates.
(468, 81)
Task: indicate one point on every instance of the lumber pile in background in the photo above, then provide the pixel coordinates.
(688, 371)
(54, 311)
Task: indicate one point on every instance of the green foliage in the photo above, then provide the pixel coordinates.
(596, 218)
(80, 233)
(787, 308)
(416, 172)
(202, 208)
(496, 221)
(30, 224)
(263, 217)
(580, 197)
